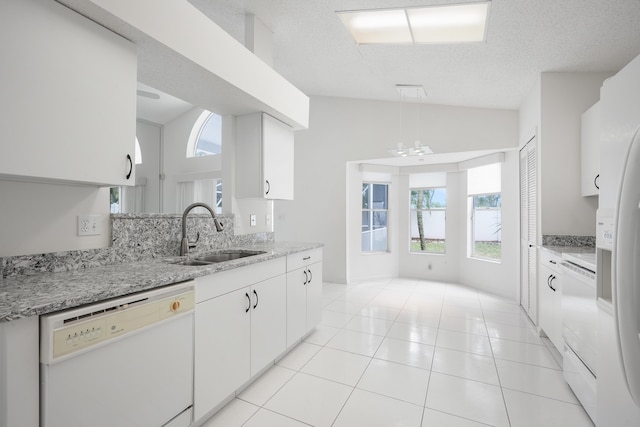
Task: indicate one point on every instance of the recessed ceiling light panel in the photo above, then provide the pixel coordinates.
(458, 23)
(462, 23)
(378, 26)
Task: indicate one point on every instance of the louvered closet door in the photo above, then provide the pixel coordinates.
(528, 229)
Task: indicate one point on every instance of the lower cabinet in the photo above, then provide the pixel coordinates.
(304, 293)
(237, 333)
(246, 318)
(550, 298)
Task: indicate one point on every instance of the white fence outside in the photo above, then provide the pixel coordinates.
(486, 228)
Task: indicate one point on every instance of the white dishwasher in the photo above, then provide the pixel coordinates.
(124, 362)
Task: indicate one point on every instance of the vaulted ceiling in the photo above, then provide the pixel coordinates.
(314, 51)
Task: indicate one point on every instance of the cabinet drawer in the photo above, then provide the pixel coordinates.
(550, 259)
(217, 284)
(300, 259)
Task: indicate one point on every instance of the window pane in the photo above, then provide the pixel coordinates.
(366, 221)
(487, 226)
(380, 196)
(428, 220)
(379, 220)
(365, 196)
(210, 138)
(380, 240)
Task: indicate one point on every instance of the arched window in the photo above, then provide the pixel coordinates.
(206, 135)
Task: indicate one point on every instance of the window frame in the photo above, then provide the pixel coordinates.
(411, 210)
(371, 212)
(196, 133)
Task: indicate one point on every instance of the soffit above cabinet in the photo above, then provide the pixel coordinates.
(183, 53)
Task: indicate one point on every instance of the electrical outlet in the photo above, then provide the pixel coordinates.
(252, 220)
(89, 225)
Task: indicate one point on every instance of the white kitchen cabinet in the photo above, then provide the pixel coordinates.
(20, 373)
(264, 157)
(68, 97)
(240, 328)
(550, 297)
(222, 349)
(268, 322)
(304, 293)
(590, 151)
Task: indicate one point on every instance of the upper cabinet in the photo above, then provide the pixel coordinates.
(68, 97)
(590, 151)
(264, 158)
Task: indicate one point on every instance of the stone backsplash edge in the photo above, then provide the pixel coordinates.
(135, 237)
(566, 240)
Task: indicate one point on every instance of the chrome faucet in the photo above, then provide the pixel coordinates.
(184, 246)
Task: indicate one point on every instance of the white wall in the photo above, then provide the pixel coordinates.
(343, 130)
(434, 266)
(564, 97)
(498, 278)
(362, 266)
(553, 110)
(40, 218)
(150, 138)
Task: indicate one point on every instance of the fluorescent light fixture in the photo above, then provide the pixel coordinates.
(378, 26)
(458, 23)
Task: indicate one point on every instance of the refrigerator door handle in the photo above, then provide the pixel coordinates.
(626, 274)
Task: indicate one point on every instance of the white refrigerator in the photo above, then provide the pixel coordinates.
(618, 251)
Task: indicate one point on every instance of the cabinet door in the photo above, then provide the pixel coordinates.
(296, 304)
(590, 151)
(268, 321)
(222, 352)
(557, 339)
(72, 89)
(277, 158)
(314, 296)
(546, 304)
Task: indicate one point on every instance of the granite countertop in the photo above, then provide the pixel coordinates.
(43, 293)
(559, 250)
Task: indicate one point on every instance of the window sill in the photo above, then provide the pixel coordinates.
(493, 261)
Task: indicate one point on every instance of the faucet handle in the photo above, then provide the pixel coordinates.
(193, 244)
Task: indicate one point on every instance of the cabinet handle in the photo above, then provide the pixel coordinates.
(130, 166)
(310, 275)
(256, 294)
(550, 281)
(306, 277)
(249, 301)
(306, 258)
(595, 181)
(268, 187)
(552, 261)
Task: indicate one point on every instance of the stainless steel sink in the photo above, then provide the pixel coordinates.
(227, 256)
(192, 262)
(220, 256)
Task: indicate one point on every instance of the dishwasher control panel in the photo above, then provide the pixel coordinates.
(77, 330)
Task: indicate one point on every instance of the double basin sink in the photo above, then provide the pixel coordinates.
(220, 256)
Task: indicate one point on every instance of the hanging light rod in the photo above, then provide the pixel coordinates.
(417, 93)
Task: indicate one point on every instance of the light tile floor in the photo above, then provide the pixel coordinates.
(412, 353)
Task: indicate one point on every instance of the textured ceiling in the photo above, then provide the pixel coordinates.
(313, 50)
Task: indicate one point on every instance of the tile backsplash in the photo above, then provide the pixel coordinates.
(136, 237)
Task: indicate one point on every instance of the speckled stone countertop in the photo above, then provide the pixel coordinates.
(559, 250)
(33, 295)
